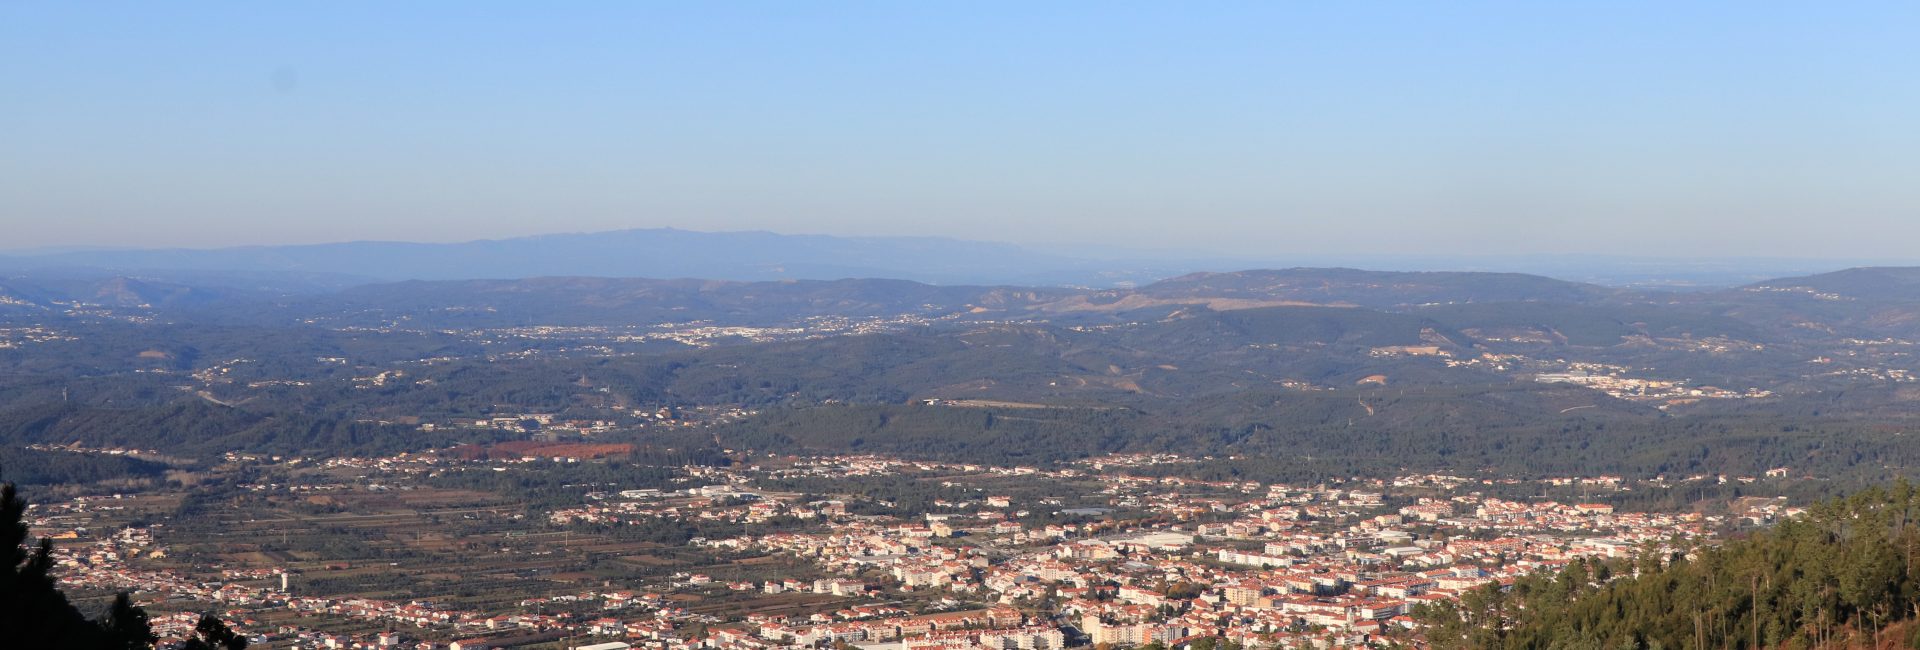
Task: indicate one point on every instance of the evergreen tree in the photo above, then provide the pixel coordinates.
(212, 634)
(127, 625)
(1838, 576)
(32, 610)
(35, 614)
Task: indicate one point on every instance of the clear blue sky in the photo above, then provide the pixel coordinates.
(1271, 128)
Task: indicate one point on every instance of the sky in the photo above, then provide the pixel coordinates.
(1252, 129)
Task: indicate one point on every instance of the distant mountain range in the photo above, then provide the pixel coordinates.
(760, 256)
(649, 253)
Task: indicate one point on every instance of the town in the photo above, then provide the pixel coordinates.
(449, 549)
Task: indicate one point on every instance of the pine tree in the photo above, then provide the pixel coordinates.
(212, 634)
(127, 625)
(33, 612)
(1844, 571)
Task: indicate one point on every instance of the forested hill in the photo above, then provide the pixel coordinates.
(1869, 302)
(1866, 283)
(1835, 578)
(627, 301)
(1379, 288)
(1360, 371)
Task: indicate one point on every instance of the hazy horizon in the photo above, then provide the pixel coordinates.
(1081, 250)
(1246, 131)
(913, 258)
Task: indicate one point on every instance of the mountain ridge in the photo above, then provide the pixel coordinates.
(764, 255)
(655, 252)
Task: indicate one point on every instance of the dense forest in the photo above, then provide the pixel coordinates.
(1292, 436)
(1074, 395)
(1287, 374)
(1842, 575)
(33, 467)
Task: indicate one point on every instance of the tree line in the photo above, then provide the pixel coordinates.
(1843, 574)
